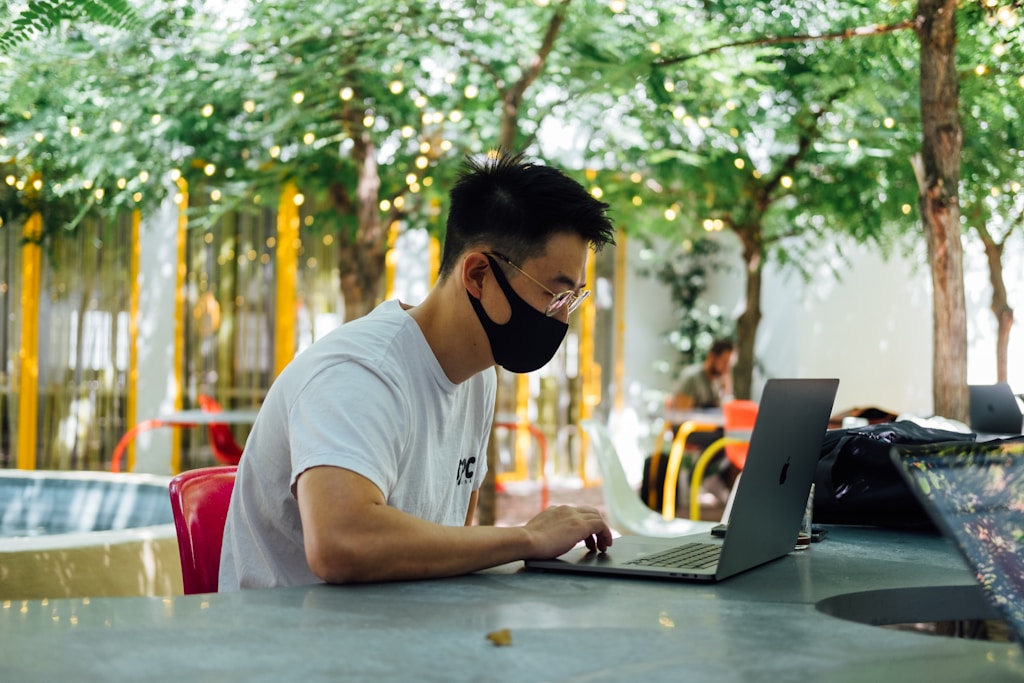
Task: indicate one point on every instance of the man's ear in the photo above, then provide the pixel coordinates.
(475, 268)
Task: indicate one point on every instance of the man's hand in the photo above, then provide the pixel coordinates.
(558, 529)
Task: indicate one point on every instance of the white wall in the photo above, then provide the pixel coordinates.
(871, 327)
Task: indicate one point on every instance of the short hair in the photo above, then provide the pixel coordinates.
(721, 346)
(515, 206)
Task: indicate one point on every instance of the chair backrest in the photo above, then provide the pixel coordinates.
(625, 512)
(222, 441)
(199, 503)
(740, 416)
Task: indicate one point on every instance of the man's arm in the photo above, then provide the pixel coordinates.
(351, 535)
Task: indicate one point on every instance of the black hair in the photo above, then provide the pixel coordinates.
(514, 206)
(721, 346)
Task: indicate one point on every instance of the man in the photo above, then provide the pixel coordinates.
(707, 384)
(367, 456)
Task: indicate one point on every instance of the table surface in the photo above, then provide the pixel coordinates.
(759, 626)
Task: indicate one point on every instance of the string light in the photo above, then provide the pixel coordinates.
(207, 110)
(116, 126)
(471, 92)
(298, 97)
(396, 87)
(345, 94)
(786, 181)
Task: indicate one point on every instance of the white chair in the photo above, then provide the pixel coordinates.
(625, 512)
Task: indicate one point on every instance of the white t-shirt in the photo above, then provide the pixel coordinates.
(370, 397)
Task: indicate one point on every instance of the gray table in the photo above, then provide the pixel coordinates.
(760, 626)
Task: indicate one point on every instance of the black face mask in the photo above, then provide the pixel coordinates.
(528, 340)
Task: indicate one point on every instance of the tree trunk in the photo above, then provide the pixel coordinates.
(750, 319)
(361, 256)
(938, 175)
(1000, 302)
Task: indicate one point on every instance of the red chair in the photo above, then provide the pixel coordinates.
(222, 441)
(199, 503)
(740, 416)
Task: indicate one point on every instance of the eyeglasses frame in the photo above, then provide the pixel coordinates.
(574, 300)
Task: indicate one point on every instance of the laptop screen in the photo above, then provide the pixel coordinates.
(975, 494)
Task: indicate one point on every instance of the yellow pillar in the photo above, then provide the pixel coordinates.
(287, 276)
(619, 307)
(391, 261)
(28, 352)
(435, 259)
(590, 372)
(133, 335)
(179, 318)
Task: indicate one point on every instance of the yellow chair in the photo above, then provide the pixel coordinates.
(740, 417)
(675, 461)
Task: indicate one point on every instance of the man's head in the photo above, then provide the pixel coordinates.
(514, 207)
(719, 358)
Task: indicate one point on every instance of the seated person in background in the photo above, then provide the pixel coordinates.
(707, 384)
(366, 459)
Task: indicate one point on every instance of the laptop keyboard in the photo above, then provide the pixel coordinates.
(686, 556)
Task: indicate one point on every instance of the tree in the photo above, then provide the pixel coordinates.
(993, 153)
(41, 16)
(780, 155)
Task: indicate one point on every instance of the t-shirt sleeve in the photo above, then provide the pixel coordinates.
(352, 417)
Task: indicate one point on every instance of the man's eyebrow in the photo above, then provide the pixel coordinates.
(569, 282)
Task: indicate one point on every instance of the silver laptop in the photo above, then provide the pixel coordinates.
(975, 494)
(767, 507)
(994, 409)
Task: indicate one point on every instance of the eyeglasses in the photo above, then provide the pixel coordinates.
(567, 299)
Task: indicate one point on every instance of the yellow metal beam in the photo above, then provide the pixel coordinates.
(179, 318)
(28, 352)
(287, 276)
(619, 307)
(131, 390)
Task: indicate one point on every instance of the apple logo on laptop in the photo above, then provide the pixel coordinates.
(784, 473)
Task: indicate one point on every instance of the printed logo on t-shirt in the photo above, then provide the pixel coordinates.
(466, 471)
